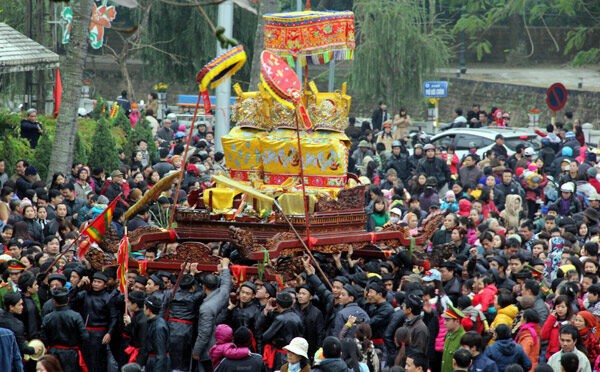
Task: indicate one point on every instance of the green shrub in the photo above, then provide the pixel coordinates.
(142, 131)
(41, 155)
(104, 149)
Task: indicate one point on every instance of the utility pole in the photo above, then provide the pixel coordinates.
(298, 66)
(223, 91)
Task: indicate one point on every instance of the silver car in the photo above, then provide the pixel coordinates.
(484, 138)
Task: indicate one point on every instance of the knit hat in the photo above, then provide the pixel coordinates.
(590, 320)
(450, 194)
(567, 151)
(592, 172)
(464, 207)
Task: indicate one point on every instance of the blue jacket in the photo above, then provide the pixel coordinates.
(10, 357)
(342, 317)
(481, 363)
(505, 352)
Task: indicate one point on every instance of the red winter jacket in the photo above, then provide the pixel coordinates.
(486, 297)
(550, 332)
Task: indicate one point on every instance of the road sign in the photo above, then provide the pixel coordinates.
(435, 89)
(556, 97)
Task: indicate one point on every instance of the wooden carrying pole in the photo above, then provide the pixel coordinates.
(184, 160)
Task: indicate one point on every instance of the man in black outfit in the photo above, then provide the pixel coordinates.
(156, 345)
(379, 116)
(63, 331)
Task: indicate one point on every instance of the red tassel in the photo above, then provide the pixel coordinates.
(426, 265)
(206, 100)
(279, 280)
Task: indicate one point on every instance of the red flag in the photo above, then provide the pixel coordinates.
(96, 230)
(57, 91)
(123, 262)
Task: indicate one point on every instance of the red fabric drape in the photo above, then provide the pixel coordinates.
(57, 91)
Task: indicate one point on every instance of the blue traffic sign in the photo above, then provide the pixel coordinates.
(435, 89)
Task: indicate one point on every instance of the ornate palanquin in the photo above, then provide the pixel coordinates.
(259, 206)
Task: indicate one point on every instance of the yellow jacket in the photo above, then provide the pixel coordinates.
(506, 316)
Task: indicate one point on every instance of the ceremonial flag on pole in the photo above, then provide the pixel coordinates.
(123, 262)
(96, 230)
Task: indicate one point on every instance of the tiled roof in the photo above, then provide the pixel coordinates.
(19, 53)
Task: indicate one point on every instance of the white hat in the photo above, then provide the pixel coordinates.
(529, 151)
(396, 211)
(567, 187)
(5, 257)
(298, 346)
(594, 196)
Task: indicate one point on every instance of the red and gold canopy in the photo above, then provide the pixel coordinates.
(310, 37)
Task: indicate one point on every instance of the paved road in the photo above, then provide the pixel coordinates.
(542, 76)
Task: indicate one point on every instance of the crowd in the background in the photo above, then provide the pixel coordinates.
(518, 291)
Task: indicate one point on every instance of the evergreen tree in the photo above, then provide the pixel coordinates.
(41, 156)
(121, 121)
(103, 148)
(142, 131)
(12, 149)
(81, 154)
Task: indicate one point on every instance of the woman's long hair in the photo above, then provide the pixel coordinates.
(350, 354)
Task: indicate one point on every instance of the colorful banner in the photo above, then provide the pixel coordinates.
(123, 262)
(96, 230)
(310, 37)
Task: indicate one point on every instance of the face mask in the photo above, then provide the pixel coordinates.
(394, 219)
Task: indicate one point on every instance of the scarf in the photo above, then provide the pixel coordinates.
(294, 367)
(583, 332)
(531, 328)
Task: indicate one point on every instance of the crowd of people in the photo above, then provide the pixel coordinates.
(519, 290)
